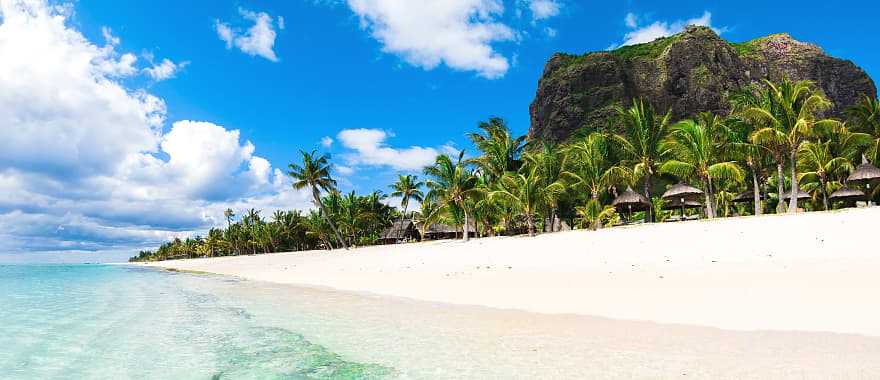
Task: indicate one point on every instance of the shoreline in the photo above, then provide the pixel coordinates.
(803, 272)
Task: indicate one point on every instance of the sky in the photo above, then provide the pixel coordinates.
(126, 126)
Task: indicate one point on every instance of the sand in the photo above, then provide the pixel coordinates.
(805, 272)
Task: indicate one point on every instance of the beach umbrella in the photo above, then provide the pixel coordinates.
(631, 201)
(801, 195)
(865, 173)
(680, 194)
(747, 196)
(845, 194)
(679, 204)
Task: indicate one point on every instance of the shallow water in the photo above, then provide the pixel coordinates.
(94, 321)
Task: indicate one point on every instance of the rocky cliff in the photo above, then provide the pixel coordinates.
(690, 72)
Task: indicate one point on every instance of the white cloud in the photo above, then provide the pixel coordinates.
(86, 164)
(631, 20)
(281, 22)
(543, 9)
(659, 29)
(459, 34)
(368, 147)
(550, 32)
(258, 40)
(344, 170)
(326, 141)
(109, 38)
(165, 69)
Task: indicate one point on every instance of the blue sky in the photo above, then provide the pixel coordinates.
(113, 148)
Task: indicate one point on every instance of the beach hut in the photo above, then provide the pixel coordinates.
(801, 195)
(682, 195)
(678, 204)
(848, 196)
(630, 201)
(439, 231)
(747, 196)
(400, 231)
(865, 173)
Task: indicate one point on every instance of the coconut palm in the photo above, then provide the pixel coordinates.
(865, 116)
(695, 148)
(640, 143)
(314, 173)
(788, 117)
(407, 187)
(451, 185)
(588, 166)
(550, 162)
(818, 166)
(500, 150)
(526, 191)
(594, 214)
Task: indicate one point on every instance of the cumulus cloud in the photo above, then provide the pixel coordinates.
(326, 141)
(544, 9)
(459, 34)
(166, 69)
(86, 163)
(657, 29)
(258, 40)
(368, 147)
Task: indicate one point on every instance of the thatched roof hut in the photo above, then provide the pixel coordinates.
(400, 231)
(630, 200)
(676, 204)
(801, 195)
(747, 196)
(864, 173)
(682, 190)
(846, 194)
(438, 231)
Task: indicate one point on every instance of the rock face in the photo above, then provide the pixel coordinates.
(687, 73)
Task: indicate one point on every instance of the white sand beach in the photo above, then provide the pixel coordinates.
(806, 272)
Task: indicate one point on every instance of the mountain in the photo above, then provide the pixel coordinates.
(689, 72)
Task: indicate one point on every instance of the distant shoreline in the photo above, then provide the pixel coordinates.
(808, 271)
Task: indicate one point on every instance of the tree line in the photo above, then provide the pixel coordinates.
(774, 143)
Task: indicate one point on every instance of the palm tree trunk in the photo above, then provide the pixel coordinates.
(647, 190)
(824, 194)
(780, 183)
(710, 209)
(464, 232)
(793, 202)
(327, 218)
(402, 218)
(531, 222)
(756, 191)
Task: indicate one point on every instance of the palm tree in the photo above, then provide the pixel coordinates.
(550, 162)
(594, 214)
(786, 118)
(500, 149)
(229, 214)
(817, 165)
(640, 144)
(525, 189)
(315, 174)
(407, 187)
(695, 148)
(589, 167)
(866, 117)
(452, 184)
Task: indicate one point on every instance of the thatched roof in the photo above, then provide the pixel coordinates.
(800, 195)
(439, 228)
(682, 190)
(397, 230)
(845, 193)
(747, 196)
(864, 172)
(675, 204)
(631, 200)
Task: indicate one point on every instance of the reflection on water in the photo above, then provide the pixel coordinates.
(130, 322)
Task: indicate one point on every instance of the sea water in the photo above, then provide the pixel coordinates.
(117, 322)
(132, 322)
